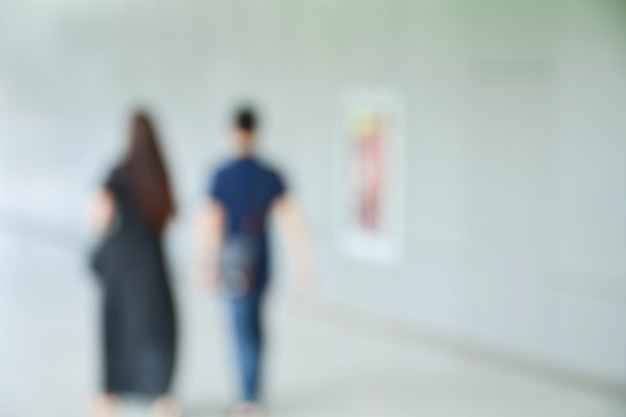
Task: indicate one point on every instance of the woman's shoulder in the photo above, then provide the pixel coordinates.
(115, 178)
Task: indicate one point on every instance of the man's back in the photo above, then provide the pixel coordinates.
(241, 195)
(247, 187)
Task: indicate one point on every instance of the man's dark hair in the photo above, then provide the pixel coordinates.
(246, 119)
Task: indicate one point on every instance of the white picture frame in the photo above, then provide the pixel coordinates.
(370, 176)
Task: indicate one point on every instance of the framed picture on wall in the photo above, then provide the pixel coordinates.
(370, 178)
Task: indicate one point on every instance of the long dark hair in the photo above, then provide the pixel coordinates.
(147, 174)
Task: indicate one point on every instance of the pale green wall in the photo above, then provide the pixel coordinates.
(516, 131)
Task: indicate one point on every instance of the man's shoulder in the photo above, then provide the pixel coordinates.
(232, 167)
(267, 167)
(225, 167)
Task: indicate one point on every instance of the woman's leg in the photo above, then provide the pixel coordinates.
(105, 405)
(166, 406)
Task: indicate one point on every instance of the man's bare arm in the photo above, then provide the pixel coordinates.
(207, 241)
(291, 224)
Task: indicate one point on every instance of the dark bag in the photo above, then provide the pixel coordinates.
(240, 264)
(101, 256)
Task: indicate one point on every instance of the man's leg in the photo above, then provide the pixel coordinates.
(249, 338)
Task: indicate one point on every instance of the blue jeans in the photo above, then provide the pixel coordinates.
(246, 315)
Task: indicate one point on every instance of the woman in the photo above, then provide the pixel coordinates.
(131, 212)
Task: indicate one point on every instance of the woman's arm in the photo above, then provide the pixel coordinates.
(100, 211)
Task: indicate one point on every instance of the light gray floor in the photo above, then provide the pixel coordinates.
(317, 366)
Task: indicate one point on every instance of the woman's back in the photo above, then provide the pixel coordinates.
(139, 316)
(128, 221)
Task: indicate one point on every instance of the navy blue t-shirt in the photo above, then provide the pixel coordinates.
(247, 188)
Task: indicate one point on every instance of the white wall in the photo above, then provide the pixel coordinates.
(517, 143)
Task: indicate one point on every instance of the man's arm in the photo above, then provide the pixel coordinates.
(291, 224)
(207, 241)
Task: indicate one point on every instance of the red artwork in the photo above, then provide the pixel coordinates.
(370, 198)
(371, 174)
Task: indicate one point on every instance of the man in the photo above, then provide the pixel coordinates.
(232, 246)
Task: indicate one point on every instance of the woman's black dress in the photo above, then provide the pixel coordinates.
(139, 324)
